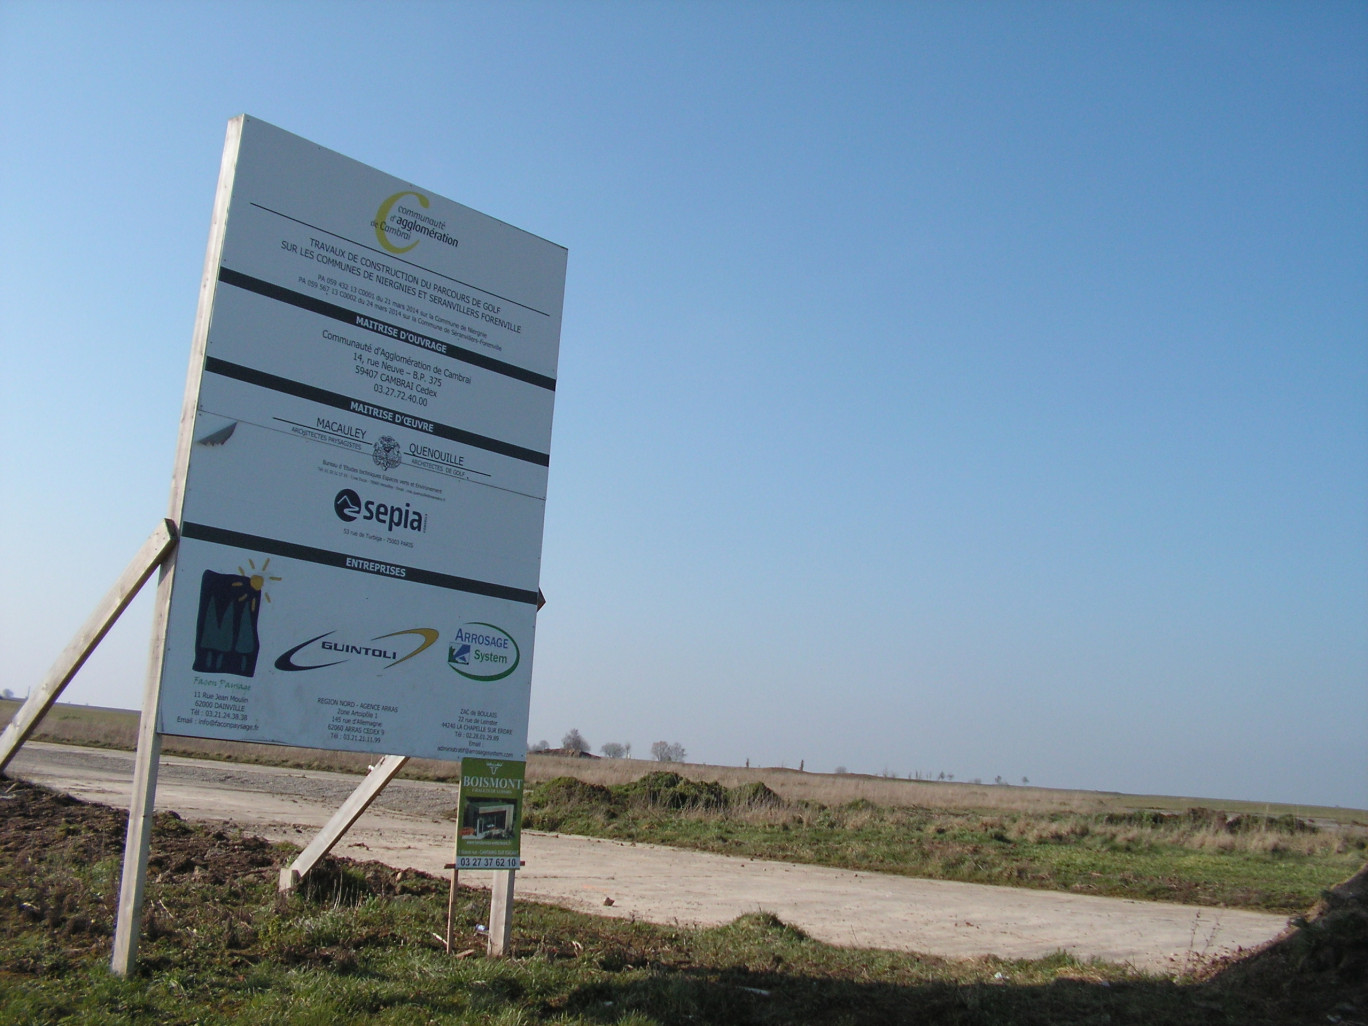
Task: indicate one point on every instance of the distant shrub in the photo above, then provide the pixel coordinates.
(667, 751)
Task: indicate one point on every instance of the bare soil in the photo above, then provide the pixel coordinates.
(409, 827)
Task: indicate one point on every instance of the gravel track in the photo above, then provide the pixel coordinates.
(407, 827)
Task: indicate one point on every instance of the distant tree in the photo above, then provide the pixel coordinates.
(841, 771)
(998, 779)
(627, 750)
(614, 750)
(666, 751)
(1025, 780)
(574, 741)
(7, 694)
(540, 746)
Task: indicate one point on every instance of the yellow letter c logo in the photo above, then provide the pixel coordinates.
(382, 218)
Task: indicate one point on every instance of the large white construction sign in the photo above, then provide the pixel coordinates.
(365, 476)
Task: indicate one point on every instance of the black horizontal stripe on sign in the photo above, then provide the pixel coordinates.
(377, 567)
(393, 332)
(399, 418)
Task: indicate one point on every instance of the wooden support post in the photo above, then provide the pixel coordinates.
(501, 914)
(451, 906)
(73, 657)
(380, 775)
(455, 873)
(128, 922)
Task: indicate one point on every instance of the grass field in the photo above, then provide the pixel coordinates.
(118, 728)
(841, 789)
(1200, 856)
(1238, 854)
(357, 946)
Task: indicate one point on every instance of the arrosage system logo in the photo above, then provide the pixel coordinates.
(483, 652)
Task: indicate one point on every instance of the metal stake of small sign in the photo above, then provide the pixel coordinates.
(455, 873)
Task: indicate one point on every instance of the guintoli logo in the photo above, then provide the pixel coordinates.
(481, 651)
(403, 646)
(349, 507)
(397, 221)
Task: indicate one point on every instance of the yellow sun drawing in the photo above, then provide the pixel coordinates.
(258, 579)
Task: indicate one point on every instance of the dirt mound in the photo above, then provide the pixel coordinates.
(61, 858)
(754, 795)
(572, 791)
(35, 819)
(1322, 953)
(1200, 817)
(668, 790)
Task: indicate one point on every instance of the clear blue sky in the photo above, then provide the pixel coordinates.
(967, 388)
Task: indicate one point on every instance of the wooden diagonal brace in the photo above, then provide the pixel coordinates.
(380, 775)
(153, 552)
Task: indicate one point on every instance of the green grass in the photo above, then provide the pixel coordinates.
(1278, 864)
(356, 946)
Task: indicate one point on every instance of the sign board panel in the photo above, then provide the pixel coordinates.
(489, 819)
(365, 477)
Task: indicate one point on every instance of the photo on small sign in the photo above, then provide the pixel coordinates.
(489, 819)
